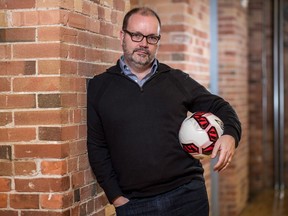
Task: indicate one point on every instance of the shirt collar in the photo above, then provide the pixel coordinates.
(126, 70)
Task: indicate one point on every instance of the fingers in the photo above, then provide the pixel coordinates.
(220, 166)
(225, 158)
(225, 148)
(222, 163)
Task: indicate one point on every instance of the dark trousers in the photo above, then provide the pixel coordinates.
(188, 200)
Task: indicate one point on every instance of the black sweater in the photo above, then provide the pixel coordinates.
(132, 141)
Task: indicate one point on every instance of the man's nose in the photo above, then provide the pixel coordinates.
(144, 42)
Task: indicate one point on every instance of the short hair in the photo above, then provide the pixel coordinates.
(145, 11)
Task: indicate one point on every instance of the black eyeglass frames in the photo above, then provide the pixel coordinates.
(138, 37)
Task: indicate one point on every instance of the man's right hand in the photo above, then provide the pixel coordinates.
(120, 201)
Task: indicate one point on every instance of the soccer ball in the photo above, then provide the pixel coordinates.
(199, 133)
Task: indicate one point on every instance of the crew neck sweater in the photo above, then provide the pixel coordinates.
(132, 136)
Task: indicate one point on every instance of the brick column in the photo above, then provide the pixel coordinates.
(233, 86)
(48, 49)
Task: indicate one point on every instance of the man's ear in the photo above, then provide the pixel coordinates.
(121, 34)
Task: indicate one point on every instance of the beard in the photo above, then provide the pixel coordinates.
(141, 59)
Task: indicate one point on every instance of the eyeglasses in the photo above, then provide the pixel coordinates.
(138, 37)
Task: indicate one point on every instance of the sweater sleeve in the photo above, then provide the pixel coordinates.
(98, 152)
(200, 99)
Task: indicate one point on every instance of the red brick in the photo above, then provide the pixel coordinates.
(83, 162)
(15, 4)
(54, 167)
(68, 100)
(41, 17)
(93, 25)
(82, 101)
(75, 210)
(17, 134)
(106, 29)
(50, 133)
(47, 4)
(58, 134)
(56, 201)
(82, 131)
(41, 117)
(86, 9)
(42, 184)
(44, 213)
(17, 68)
(5, 51)
(27, 168)
(89, 176)
(174, 48)
(49, 66)
(69, 35)
(5, 152)
(49, 100)
(57, 67)
(46, 50)
(27, 18)
(5, 84)
(41, 151)
(88, 191)
(100, 201)
(54, 4)
(5, 185)
(64, 16)
(109, 57)
(77, 52)
(49, 33)
(3, 202)
(90, 40)
(93, 55)
(86, 69)
(34, 84)
(73, 84)
(69, 133)
(77, 118)
(31, 201)
(119, 5)
(49, 17)
(5, 168)
(91, 206)
(12, 101)
(77, 179)
(8, 212)
(3, 18)
(113, 44)
(73, 164)
(17, 35)
(77, 20)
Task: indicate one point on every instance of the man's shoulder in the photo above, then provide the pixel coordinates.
(173, 71)
(105, 74)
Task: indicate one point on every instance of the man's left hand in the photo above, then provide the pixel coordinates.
(225, 147)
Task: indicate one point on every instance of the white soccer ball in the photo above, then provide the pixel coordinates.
(199, 133)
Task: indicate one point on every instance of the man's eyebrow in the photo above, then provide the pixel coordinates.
(138, 32)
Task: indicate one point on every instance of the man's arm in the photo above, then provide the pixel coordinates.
(98, 152)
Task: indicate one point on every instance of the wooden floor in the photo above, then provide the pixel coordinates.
(267, 203)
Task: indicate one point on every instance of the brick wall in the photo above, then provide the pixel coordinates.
(261, 167)
(48, 49)
(233, 86)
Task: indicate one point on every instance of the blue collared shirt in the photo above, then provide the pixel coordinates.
(126, 70)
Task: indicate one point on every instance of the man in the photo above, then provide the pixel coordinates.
(135, 110)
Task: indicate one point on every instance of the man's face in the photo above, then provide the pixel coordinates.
(140, 54)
